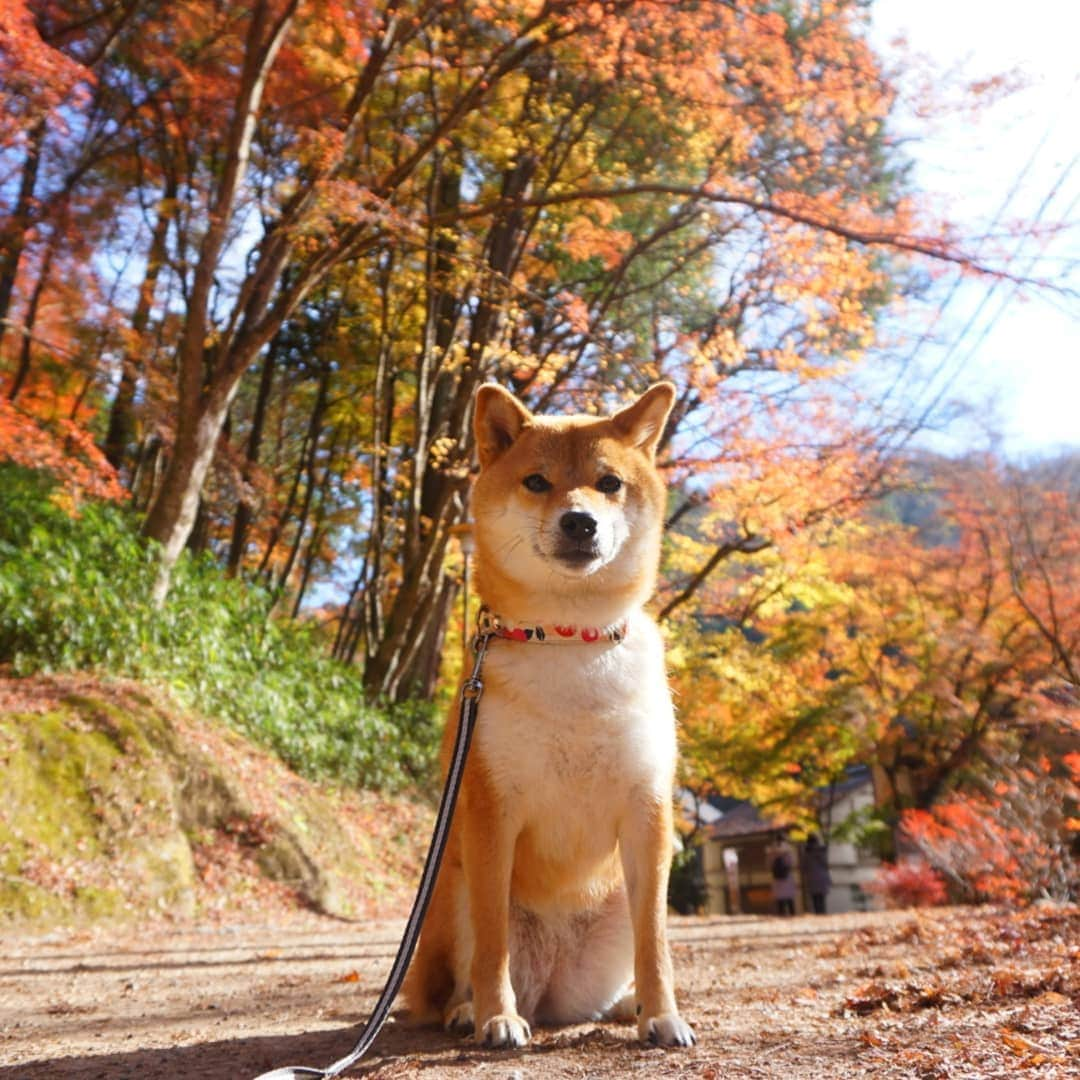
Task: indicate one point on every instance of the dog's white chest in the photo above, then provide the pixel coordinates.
(571, 731)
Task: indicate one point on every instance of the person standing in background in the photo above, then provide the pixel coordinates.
(781, 858)
(816, 872)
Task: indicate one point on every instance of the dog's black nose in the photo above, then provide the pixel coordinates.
(578, 525)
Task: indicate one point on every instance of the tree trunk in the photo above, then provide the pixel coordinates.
(13, 238)
(147, 473)
(172, 515)
(121, 428)
(22, 369)
(200, 532)
(422, 678)
(310, 484)
(305, 465)
(242, 520)
(312, 552)
(208, 383)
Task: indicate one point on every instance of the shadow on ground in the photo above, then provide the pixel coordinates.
(246, 1058)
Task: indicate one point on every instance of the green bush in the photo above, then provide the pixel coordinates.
(75, 595)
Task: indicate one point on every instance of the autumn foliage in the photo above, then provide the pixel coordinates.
(63, 448)
(1011, 844)
(941, 656)
(329, 223)
(909, 883)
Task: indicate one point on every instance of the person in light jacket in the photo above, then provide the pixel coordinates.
(781, 859)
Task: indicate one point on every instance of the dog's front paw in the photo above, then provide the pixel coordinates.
(506, 1032)
(668, 1029)
(459, 1020)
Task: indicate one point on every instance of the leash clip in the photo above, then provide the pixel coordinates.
(473, 686)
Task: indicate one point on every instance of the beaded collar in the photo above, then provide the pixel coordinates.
(548, 634)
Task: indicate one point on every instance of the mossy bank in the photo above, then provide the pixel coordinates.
(117, 805)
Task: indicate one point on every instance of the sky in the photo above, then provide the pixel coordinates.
(1013, 355)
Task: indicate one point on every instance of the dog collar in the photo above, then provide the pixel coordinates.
(490, 624)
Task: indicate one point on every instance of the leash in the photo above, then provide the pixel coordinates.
(471, 690)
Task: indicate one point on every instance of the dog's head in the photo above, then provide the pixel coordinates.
(569, 505)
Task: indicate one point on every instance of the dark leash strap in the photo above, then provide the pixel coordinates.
(470, 696)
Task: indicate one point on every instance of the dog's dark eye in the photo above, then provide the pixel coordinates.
(609, 483)
(537, 483)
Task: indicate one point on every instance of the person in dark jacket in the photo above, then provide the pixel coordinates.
(816, 874)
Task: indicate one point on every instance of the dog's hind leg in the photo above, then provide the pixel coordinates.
(594, 970)
(624, 1011)
(431, 985)
(458, 1013)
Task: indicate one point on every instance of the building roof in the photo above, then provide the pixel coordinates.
(742, 819)
(857, 776)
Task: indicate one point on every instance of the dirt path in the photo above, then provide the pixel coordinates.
(955, 994)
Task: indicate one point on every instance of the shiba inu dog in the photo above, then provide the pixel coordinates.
(552, 898)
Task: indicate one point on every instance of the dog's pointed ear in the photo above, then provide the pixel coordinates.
(498, 422)
(642, 423)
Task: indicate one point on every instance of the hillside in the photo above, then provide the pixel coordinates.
(119, 806)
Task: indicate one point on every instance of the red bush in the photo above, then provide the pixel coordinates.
(909, 883)
(1010, 844)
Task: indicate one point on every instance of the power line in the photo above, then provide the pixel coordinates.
(970, 324)
(1013, 190)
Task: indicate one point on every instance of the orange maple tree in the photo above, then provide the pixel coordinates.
(942, 656)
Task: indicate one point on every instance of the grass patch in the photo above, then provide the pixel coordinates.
(74, 596)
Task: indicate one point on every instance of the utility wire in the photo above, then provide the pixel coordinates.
(993, 320)
(909, 429)
(1013, 190)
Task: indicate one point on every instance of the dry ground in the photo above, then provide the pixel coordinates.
(954, 993)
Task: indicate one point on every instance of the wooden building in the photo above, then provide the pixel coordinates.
(735, 857)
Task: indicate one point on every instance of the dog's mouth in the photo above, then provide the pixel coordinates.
(578, 556)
